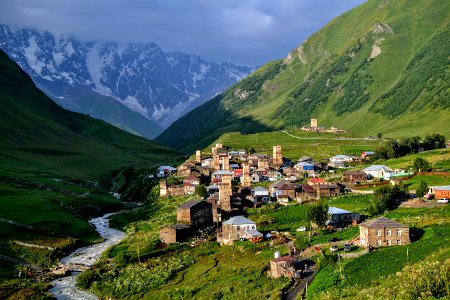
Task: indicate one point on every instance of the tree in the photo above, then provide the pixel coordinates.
(318, 213)
(201, 191)
(422, 188)
(379, 135)
(421, 165)
(388, 198)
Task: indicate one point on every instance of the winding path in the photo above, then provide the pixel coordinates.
(64, 288)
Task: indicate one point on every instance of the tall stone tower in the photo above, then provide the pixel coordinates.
(313, 122)
(216, 160)
(263, 163)
(226, 163)
(225, 196)
(245, 174)
(277, 156)
(198, 156)
(226, 178)
(163, 188)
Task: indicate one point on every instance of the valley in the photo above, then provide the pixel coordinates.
(132, 172)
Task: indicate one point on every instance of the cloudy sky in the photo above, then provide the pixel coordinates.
(250, 32)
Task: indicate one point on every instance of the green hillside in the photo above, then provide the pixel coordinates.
(381, 67)
(51, 163)
(106, 108)
(39, 136)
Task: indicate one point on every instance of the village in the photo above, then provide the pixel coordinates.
(231, 181)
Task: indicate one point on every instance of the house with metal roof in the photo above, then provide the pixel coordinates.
(238, 228)
(339, 218)
(379, 171)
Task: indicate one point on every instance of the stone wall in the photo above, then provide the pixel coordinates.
(378, 237)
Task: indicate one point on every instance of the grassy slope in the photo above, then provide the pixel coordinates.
(318, 146)
(320, 79)
(45, 151)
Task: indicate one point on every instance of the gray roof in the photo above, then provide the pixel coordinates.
(337, 211)
(223, 172)
(213, 187)
(341, 156)
(190, 204)
(383, 222)
(238, 220)
(167, 168)
(260, 189)
(253, 233)
(376, 168)
(179, 226)
(442, 188)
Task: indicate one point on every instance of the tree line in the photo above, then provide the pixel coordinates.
(409, 145)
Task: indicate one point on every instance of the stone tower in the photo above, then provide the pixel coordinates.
(263, 163)
(198, 156)
(226, 178)
(313, 122)
(226, 163)
(216, 162)
(225, 196)
(163, 188)
(277, 156)
(245, 174)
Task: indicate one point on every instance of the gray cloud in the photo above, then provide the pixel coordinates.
(247, 32)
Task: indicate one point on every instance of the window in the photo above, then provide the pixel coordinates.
(238, 235)
(399, 232)
(378, 232)
(389, 232)
(389, 242)
(238, 228)
(399, 242)
(379, 243)
(253, 227)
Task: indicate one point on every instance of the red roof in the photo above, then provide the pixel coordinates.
(316, 180)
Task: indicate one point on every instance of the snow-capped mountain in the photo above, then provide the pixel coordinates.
(160, 86)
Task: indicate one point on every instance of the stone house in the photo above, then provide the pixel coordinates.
(383, 231)
(175, 233)
(238, 228)
(198, 214)
(327, 190)
(354, 176)
(277, 185)
(288, 190)
(166, 190)
(282, 266)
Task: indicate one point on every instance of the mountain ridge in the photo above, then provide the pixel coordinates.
(39, 136)
(341, 74)
(158, 85)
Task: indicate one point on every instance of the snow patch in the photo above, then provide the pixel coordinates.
(95, 65)
(133, 104)
(30, 54)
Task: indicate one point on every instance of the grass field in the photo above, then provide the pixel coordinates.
(376, 267)
(317, 146)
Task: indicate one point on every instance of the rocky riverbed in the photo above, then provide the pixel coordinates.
(64, 288)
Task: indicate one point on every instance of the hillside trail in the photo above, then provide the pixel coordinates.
(64, 288)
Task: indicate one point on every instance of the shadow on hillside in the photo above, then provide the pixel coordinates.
(415, 234)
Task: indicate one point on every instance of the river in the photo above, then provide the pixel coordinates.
(64, 288)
